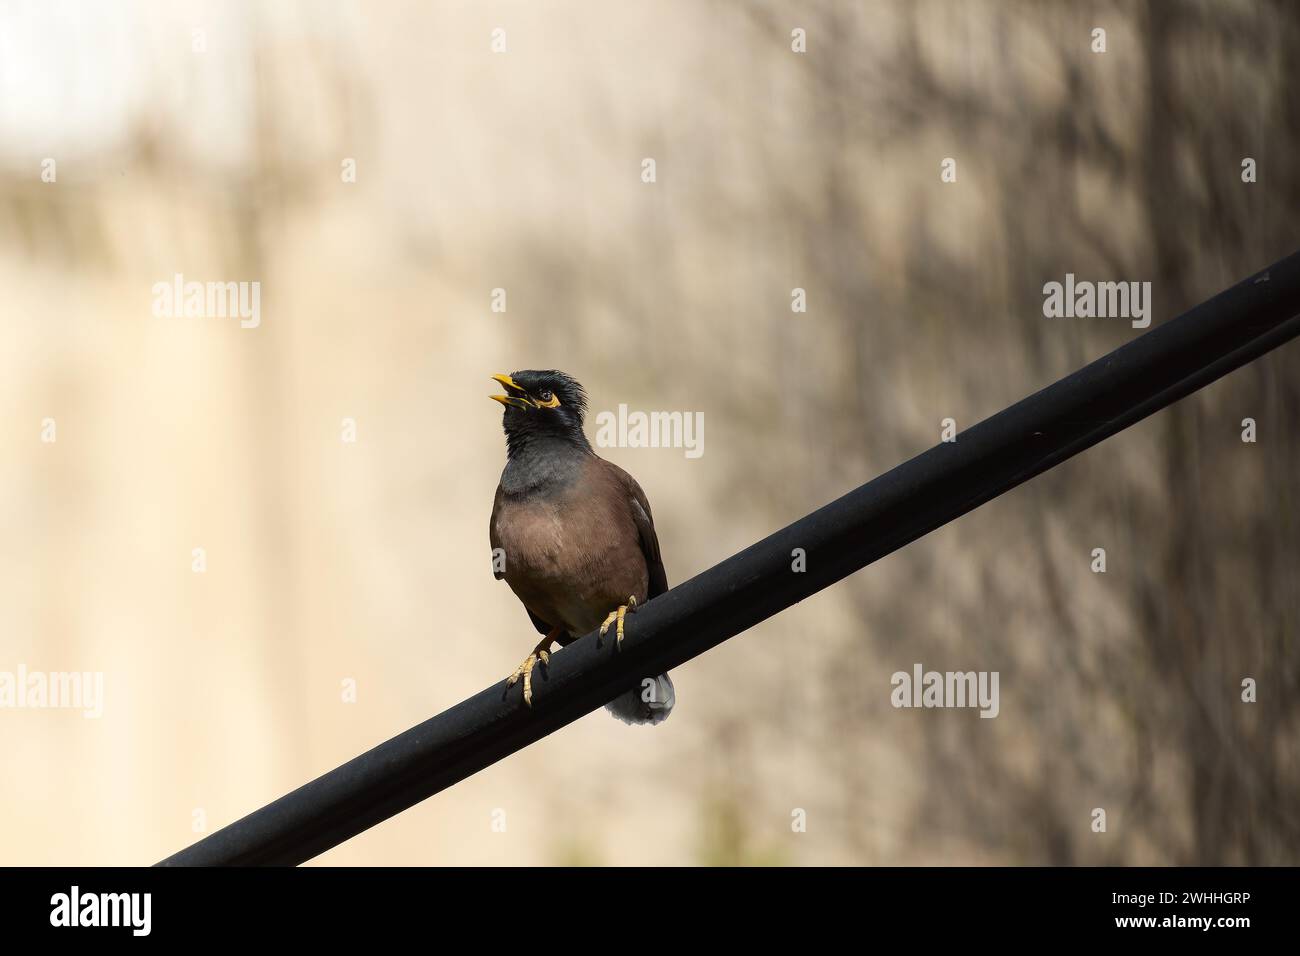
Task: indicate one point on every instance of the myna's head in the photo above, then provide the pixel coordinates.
(546, 403)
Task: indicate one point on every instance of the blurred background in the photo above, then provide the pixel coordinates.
(211, 139)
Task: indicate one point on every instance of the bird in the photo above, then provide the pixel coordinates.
(572, 534)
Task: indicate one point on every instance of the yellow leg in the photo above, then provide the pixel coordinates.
(617, 615)
(542, 653)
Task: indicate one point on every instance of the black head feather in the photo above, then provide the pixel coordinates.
(543, 423)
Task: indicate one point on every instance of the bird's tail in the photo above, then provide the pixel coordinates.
(649, 703)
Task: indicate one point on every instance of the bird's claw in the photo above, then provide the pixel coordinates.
(617, 616)
(525, 670)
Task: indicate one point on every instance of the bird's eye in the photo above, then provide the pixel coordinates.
(545, 395)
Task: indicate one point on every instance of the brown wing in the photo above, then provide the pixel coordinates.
(639, 506)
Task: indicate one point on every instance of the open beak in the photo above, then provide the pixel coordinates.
(518, 397)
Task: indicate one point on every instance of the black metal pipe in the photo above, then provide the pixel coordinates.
(941, 484)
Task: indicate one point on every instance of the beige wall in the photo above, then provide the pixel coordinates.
(369, 561)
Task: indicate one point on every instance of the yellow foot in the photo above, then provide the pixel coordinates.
(623, 610)
(542, 653)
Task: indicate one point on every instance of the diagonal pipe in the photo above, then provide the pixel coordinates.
(937, 486)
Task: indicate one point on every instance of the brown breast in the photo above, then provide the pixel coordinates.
(575, 555)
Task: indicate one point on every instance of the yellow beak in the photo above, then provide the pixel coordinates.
(512, 401)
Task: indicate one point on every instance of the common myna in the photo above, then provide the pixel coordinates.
(572, 533)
